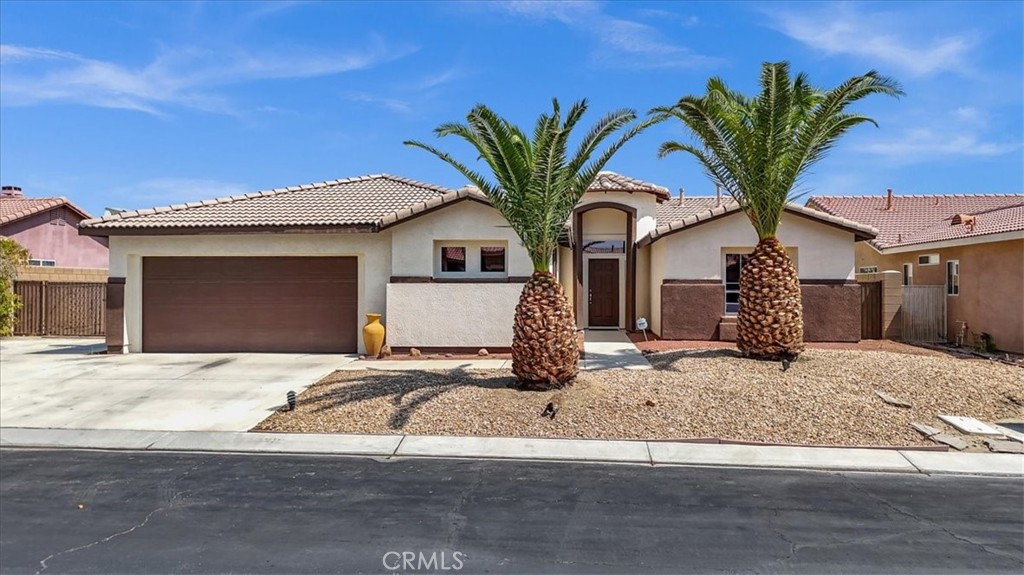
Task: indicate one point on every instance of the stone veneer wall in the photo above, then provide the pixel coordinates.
(693, 309)
(831, 310)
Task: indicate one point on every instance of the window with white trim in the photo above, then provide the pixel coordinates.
(928, 260)
(908, 274)
(953, 277)
(42, 263)
(733, 265)
(470, 259)
(492, 259)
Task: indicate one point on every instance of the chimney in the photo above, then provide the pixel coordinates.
(888, 199)
(718, 194)
(10, 192)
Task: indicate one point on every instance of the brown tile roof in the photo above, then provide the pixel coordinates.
(916, 220)
(677, 208)
(17, 208)
(699, 213)
(339, 203)
(431, 204)
(612, 182)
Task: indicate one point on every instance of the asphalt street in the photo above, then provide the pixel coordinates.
(118, 512)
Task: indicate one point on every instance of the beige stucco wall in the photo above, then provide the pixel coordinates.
(644, 203)
(819, 252)
(126, 253)
(412, 242)
(608, 223)
(657, 257)
(822, 251)
(991, 286)
(565, 272)
(643, 284)
(451, 314)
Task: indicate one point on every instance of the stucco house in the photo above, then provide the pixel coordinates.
(48, 228)
(296, 269)
(972, 244)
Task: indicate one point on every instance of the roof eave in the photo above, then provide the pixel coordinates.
(224, 230)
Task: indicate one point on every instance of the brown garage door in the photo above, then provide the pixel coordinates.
(269, 304)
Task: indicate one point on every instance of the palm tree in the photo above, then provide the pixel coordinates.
(758, 149)
(536, 186)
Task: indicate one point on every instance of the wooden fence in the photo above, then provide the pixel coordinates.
(49, 308)
(924, 313)
(871, 310)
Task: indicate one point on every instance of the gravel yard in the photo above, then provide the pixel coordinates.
(827, 397)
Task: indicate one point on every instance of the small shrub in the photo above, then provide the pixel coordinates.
(988, 343)
(12, 255)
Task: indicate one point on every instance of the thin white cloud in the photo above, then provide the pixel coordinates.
(888, 37)
(393, 104)
(618, 42)
(186, 78)
(684, 20)
(962, 132)
(925, 143)
(439, 79)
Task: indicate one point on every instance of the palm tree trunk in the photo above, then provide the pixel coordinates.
(545, 349)
(770, 322)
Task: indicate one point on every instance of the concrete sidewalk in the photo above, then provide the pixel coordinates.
(602, 451)
(611, 349)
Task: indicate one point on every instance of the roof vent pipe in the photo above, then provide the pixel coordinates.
(682, 192)
(718, 194)
(888, 199)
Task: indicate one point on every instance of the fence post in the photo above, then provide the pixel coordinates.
(42, 307)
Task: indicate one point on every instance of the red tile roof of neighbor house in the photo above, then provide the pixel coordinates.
(13, 209)
(378, 200)
(913, 220)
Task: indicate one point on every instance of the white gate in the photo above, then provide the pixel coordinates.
(924, 313)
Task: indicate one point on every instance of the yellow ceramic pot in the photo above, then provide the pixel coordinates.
(373, 334)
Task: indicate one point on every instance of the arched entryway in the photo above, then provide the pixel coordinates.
(604, 265)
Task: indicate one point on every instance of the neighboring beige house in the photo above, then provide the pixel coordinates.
(971, 244)
(296, 269)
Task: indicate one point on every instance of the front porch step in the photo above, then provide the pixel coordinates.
(727, 328)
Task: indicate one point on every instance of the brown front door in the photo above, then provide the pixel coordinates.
(256, 304)
(604, 292)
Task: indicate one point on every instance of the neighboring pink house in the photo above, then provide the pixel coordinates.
(48, 228)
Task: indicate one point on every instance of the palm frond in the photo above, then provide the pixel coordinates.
(759, 148)
(536, 183)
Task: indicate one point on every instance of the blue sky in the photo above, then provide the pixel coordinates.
(144, 104)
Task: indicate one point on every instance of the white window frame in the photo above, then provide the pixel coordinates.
(725, 282)
(955, 285)
(473, 262)
(42, 263)
(933, 260)
(908, 274)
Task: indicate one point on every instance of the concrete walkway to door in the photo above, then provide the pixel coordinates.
(611, 349)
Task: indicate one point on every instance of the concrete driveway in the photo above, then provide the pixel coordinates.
(69, 383)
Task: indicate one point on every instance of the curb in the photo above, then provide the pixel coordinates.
(531, 449)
